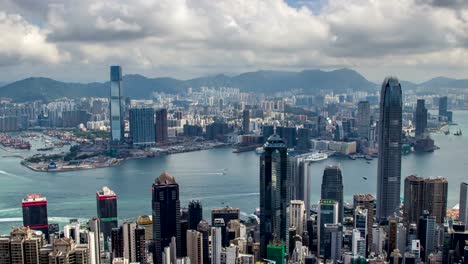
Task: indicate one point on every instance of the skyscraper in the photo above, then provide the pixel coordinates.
(463, 216)
(142, 126)
(204, 229)
(246, 121)
(363, 116)
(274, 194)
(161, 125)
(413, 200)
(215, 245)
(195, 214)
(106, 201)
(116, 104)
(166, 214)
(332, 187)
(420, 117)
(389, 138)
(195, 247)
(35, 213)
(366, 201)
(427, 234)
(327, 214)
(296, 216)
(94, 240)
(443, 106)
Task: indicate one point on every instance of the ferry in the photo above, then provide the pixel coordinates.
(259, 150)
(318, 156)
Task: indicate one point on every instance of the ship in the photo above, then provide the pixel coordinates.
(458, 133)
(259, 150)
(318, 156)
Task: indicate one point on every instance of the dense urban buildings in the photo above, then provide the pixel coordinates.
(389, 163)
(116, 104)
(142, 130)
(274, 195)
(106, 201)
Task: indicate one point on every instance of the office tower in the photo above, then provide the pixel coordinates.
(227, 214)
(94, 241)
(106, 201)
(339, 132)
(389, 166)
(274, 194)
(65, 250)
(246, 121)
(146, 223)
(219, 222)
(195, 247)
(332, 187)
(35, 213)
(401, 237)
(363, 116)
(267, 131)
(378, 237)
(413, 200)
(303, 138)
(360, 221)
(142, 130)
(463, 205)
(129, 245)
(184, 226)
(117, 244)
(216, 245)
(327, 214)
(299, 176)
(116, 104)
(392, 234)
(195, 214)
(427, 234)
(443, 106)
(420, 117)
(425, 194)
(332, 242)
(366, 201)
(296, 216)
(412, 233)
(161, 125)
(166, 214)
(204, 229)
(288, 134)
(358, 244)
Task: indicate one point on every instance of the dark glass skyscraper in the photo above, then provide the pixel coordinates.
(274, 195)
(35, 213)
(161, 125)
(443, 106)
(116, 104)
(389, 138)
(106, 201)
(363, 117)
(463, 216)
(332, 187)
(245, 121)
(142, 126)
(166, 214)
(420, 117)
(195, 214)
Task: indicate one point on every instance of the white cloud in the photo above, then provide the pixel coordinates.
(184, 38)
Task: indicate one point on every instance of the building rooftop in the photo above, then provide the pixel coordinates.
(34, 197)
(165, 178)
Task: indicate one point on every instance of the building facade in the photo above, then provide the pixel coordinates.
(116, 104)
(142, 126)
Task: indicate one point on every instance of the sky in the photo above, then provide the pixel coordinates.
(78, 40)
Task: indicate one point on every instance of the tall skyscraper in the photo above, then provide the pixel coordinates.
(332, 242)
(204, 229)
(327, 214)
(35, 213)
(94, 240)
(161, 125)
(195, 214)
(363, 116)
(360, 221)
(274, 194)
(296, 216)
(463, 205)
(195, 247)
(420, 117)
(427, 234)
(332, 187)
(246, 121)
(389, 166)
(443, 106)
(116, 104)
(425, 194)
(216, 245)
(299, 176)
(106, 201)
(142, 126)
(366, 201)
(166, 214)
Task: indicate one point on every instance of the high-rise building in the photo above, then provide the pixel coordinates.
(166, 214)
(35, 213)
(246, 121)
(299, 176)
(226, 214)
(389, 166)
(216, 245)
(425, 194)
(443, 106)
(366, 201)
(332, 242)
(332, 187)
(65, 250)
(463, 205)
(420, 117)
(360, 221)
(327, 214)
(358, 244)
(116, 104)
(427, 234)
(106, 201)
(195, 214)
(195, 247)
(21, 246)
(204, 229)
(95, 242)
(161, 125)
(296, 216)
(274, 194)
(363, 116)
(142, 126)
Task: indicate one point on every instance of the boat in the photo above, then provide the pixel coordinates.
(318, 156)
(365, 178)
(458, 133)
(368, 157)
(353, 157)
(447, 132)
(259, 150)
(45, 149)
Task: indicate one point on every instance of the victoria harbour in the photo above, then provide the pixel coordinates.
(217, 177)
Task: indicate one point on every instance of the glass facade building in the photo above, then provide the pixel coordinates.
(35, 213)
(116, 104)
(142, 129)
(106, 201)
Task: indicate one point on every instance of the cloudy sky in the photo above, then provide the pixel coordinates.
(78, 40)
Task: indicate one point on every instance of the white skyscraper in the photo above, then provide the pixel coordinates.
(296, 216)
(359, 244)
(94, 241)
(129, 243)
(195, 247)
(216, 245)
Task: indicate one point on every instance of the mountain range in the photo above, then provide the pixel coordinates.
(138, 86)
